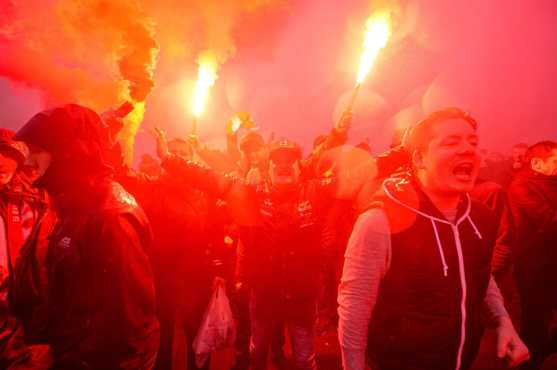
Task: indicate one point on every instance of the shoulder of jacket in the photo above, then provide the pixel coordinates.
(479, 208)
(116, 203)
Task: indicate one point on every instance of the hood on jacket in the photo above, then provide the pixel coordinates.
(403, 193)
(77, 140)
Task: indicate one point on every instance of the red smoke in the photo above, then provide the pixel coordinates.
(290, 64)
(89, 52)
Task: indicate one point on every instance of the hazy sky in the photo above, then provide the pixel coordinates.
(294, 66)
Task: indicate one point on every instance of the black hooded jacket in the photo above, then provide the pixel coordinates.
(101, 301)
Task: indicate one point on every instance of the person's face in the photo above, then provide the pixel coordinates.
(518, 154)
(149, 166)
(257, 156)
(8, 166)
(284, 170)
(546, 167)
(450, 163)
(37, 161)
(180, 149)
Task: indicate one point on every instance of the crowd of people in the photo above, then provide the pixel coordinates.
(103, 266)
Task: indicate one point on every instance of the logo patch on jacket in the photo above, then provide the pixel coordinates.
(305, 210)
(65, 242)
(15, 214)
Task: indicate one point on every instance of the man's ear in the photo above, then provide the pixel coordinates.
(418, 159)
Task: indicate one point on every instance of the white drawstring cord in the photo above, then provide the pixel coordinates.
(460, 256)
(474, 227)
(432, 219)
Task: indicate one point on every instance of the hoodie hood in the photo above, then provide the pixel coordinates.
(78, 142)
(404, 192)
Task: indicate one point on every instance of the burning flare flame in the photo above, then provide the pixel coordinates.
(236, 123)
(206, 77)
(378, 31)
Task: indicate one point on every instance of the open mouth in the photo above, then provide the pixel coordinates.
(463, 171)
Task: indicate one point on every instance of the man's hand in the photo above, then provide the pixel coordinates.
(232, 126)
(162, 145)
(344, 122)
(254, 177)
(509, 345)
(193, 140)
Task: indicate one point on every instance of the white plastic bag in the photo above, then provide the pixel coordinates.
(218, 328)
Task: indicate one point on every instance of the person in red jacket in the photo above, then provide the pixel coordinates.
(101, 299)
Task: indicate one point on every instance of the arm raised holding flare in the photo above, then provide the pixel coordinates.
(233, 126)
(336, 137)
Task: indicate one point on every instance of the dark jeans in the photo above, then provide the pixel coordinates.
(271, 315)
(241, 307)
(187, 304)
(240, 304)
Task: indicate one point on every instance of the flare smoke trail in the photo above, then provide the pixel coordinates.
(100, 52)
(92, 52)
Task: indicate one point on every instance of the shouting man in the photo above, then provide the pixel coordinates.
(416, 277)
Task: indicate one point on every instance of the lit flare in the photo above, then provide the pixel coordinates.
(236, 123)
(378, 31)
(206, 77)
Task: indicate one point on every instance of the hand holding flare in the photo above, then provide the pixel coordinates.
(239, 120)
(162, 143)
